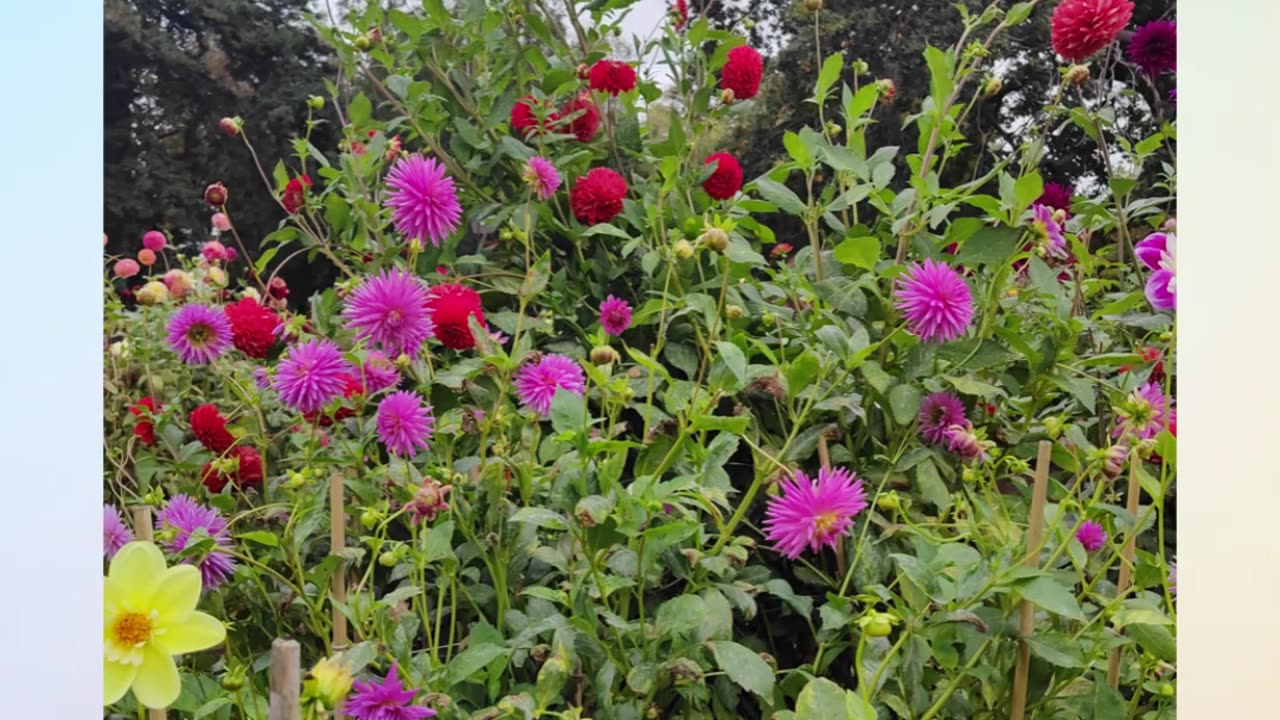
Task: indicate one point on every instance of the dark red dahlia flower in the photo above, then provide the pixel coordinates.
(585, 125)
(612, 76)
(742, 71)
(351, 387)
(253, 327)
(1056, 196)
(210, 428)
(144, 428)
(451, 304)
(726, 180)
(1080, 28)
(681, 13)
(248, 472)
(294, 196)
(278, 288)
(597, 196)
(523, 118)
(1154, 47)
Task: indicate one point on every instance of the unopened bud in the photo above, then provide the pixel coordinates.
(604, 355)
(362, 43)
(748, 24)
(734, 312)
(1170, 225)
(387, 559)
(315, 102)
(684, 249)
(1053, 427)
(216, 195)
(375, 35)
(403, 361)
(583, 71)
(969, 475)
(1077, 75)
(726, 96)
(886, 89)
(231, 125)
(861, 67)
(714, 239)
(813, 5)
(832, 129)
(992, 86)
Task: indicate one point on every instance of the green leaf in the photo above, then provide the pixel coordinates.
(904, 401)
(1027, 189)
(1052, 596)
(781, 196)
(606, 229)
(1156, 640)
(829, 74)
(438, 544)
(680, 614)
(262, 537)
(1057, 649)
(802, 371)
(861, 252)
(940, 80)
(404, 592)
(969, 386)
(931, 486)
(470, 661)
(745, 667)
(821, 699)
(730, 364)
(1018, 13)
(735, 425)
(358, 110)
(988, 246)
(541, 517)
(568, 411)
(797, 150)
(211, 707)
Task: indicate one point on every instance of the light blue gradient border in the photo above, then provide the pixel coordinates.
(51, 360)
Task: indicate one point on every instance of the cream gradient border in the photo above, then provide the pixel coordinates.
(50, 364)
(1229, 348)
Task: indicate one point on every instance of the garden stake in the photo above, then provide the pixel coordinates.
(144, 530)
(285, 677)
(1026, 621)
(1126, 561)
(337, 541)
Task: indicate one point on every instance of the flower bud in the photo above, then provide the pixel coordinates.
(403, 361)
(813, 5)
(1077, 75)
(374, 35)
(604, 355)
(329, 682)
(126, 268)
(231, 126)
(861, 67)
(153, 293)
(1170, 225)
(154, 240)
(734, 312)
(992, 86)
(362, 43)
(726, 96)
(684, 249)
(768, 319)
(315, 102)
(584, 71)
(714, 239)
(369, 518)
(216, 195)
(146, 257)
(969, 474)
(889, 501)
(748, 24)
(387, 559)
(277, 288)
(120, 349)
(886, 89)
(1017, 465)
(832, 129)
(1053, 427)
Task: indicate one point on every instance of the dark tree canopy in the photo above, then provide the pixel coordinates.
(173, 68)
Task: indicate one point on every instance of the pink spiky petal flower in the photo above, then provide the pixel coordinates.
(814, 513)
(935, 301)
(423, 200)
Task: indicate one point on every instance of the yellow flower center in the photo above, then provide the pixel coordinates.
(825, 522)
(131, 629)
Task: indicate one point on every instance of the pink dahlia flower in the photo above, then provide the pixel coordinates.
(186, 518)
(115, 533)
(935, 300)
(1158, 251)
(310, 375)
(814, 513)
(221, 222)
(536, 383)
(1146, 412)
(386, 700)
(615, 315)
(1080, 28)
(154, 241)
(542, 177)
(405, 423)
(1052, 242)
(423, 201)
(126, 268)
(199, 333)
(390, 310)
(1091, 535)
(938, 412)
(379, 373)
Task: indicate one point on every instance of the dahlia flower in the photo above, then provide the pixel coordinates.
(1056, 196)
(210, 428)
(742, 72)
(935, 301)
(451, 305)
(967, 442)
(597, 196)
(585, 125)
(612, 76)
(146, 257)
(726, 179)
(154, 240)
(253, 327)
(536, 383)
(423, 201)
(1080, 28)
(1158, 251)
(680, 12)
(542, 177)
(241, 466)
(310, 375)
(523, 118)
(115, 533)
(1145, 413)
(1052, 242)
(199, 333)
(404, 423)
(149, 616)
(938, 412)
(814, 513)
(144, 428)
(390, 310)
(1091, 535)
(379, 373)
(184, 518)
(386, 700)
(126, 268)
(294, 196)
(1154, 47)
(428, 501)
(615, 315)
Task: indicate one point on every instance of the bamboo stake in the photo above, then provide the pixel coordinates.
(285, 676)
(144, 530)
(337, 541)
(1026, 620)
(1126, 553)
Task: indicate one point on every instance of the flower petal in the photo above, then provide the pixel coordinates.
(1150, 249)
(157, 684)
(116, 679)
(197, 632)
(135, 569)
(176, 593)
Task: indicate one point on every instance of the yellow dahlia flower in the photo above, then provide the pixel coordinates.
(149, 614)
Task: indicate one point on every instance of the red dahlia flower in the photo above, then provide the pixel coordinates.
(248, 472)
(451, 304)
(742, 71)
(294, 196)
(681, 13)
(253, 327)
(612, 76)
(585, 125)
(1080, 28)
(523, 118)
(144, 428)
(597, 196)
(726, 181)
(210, 428)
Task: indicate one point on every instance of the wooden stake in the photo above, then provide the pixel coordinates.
(337, 541)
(144, 530)
(285, 676)
(1026, 620)
(1126, 555)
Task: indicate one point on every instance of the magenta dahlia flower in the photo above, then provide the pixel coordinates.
(1091, 535)
(536, 383)
(1158, 251)
(115, 533)
(405, 424)
(542, 177)
(965, 440)
(386, 700)
(310, 375)
(1056, 196)
(1146, 412)
(1051, 242)
(199, 333)
(188, 522)
(1154, 47)
(935, 300)
(814, 513)
(379, 373)
(390, 310)
(423, 201)
(615, 315)
(262, 378)
(938, 412)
